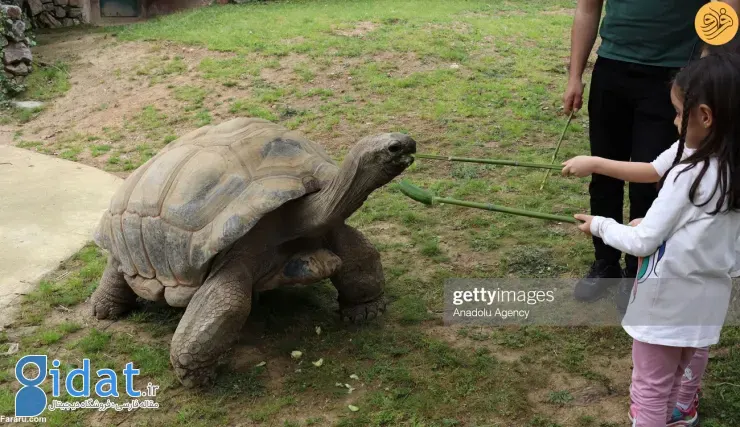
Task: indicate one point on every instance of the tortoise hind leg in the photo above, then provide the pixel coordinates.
(211, 324)
(360, 280)
(113, 297)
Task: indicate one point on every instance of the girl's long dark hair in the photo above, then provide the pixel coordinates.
(714, 81)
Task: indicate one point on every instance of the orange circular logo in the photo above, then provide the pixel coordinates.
(716, 23)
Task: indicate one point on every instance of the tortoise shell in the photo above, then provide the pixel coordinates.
(199, 195)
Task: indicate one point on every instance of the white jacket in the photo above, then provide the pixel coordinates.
(682, 292)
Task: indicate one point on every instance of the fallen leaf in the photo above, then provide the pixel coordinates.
(263, 363)
(353, 408)
(354, 377)
(318, 363)
(296, 354)
(318, 330)
(339, 385)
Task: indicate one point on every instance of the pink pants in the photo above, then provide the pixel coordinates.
(656, 380)
(692, 377)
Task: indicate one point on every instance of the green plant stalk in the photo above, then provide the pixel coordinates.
(557, 148)
(423, 196)
(488, 161)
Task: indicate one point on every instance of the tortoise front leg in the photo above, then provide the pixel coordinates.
(211, 324)
(113, 296)
(360, 280)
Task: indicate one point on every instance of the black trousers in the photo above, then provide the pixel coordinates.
(630, 118)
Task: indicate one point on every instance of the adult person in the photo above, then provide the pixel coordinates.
(644, 43)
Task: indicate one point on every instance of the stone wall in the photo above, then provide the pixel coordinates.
(56, 13)
(15, 46)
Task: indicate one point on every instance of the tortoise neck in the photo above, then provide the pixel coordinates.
(345, 193)
(339, 199)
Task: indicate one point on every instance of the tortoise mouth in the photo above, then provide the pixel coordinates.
(402, 151)
(399, 164)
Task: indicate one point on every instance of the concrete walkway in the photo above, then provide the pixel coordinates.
(48, 210)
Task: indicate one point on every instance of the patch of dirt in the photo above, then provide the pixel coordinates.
(111, 83)
(451, 335)
(360, 29)
(559, 12)
(386, 233)
(294, 40)
(99, 97)
(335, 76)
(588, 399)
(405, 64)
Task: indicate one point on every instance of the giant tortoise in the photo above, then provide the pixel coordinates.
(230, 210)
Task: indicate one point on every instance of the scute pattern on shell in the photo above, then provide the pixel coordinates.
(203, 192)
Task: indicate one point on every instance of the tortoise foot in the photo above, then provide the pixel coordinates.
(113, 297)
(202, 378)
(364, 312)
(106, 307)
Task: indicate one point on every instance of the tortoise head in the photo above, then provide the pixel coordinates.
(371, 163)
(380, 158)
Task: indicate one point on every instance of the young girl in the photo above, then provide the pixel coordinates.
(687, 239)
(688, 396)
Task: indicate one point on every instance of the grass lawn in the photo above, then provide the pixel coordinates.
(465, 78)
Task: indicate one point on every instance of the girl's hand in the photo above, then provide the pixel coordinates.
(579, 166)
(635, 222)
(586, 226)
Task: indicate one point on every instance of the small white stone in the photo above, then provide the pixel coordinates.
(27, 105)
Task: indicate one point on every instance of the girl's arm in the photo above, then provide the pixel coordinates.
(667, 211)
(639, 172)
(581, 166)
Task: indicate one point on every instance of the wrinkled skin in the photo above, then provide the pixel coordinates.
(303, 241)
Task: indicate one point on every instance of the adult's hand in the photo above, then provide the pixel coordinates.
(582, 38)
(573, 98)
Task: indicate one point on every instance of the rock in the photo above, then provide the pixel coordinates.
(61, 2)
(16, 32)
(49, 7)
(47, 1)
(3, 42)
(60, 12)
(17, 52)
(12, 12)
(74, 12)
(75, 3)
(36, 7)
(20, 69)
(49, 21)
(76, 21)
(13, 349)
(67, 22)
(28, 105)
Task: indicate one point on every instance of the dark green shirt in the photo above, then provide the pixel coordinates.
(651, 32)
